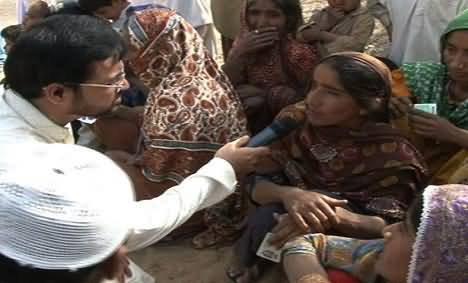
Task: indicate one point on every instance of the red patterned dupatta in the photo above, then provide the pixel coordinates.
(376, 168)
(192, 109)
(290, 62)
(282, 72)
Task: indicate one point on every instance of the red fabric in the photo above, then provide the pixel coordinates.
(338, 276)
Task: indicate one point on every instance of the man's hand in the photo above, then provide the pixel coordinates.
(244, 160)
(432, 126)
(400, 106)
(312, 210)
(285, 230)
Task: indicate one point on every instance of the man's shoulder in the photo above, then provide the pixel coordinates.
(13, 128)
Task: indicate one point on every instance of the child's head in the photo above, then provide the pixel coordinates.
(36, 12)
(10, 34)
(430, 245)
(285, 15)
(345, 5)
(108, 9)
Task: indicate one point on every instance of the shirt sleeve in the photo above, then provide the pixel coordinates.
(354, 256)
(153, 219)
(357, 40)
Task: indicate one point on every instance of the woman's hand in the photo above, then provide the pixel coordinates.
(285, 230)
(433, 126)
(400, 106)
(252, 98)
(311, 210)
(256, 40)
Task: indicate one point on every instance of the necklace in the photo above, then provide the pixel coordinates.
(322, 151)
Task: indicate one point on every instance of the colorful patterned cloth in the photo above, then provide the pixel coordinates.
(192, 108)
(439, 252)
(357, 257)
(375, 167)
(441, 247)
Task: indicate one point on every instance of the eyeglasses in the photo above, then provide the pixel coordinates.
(123, 84)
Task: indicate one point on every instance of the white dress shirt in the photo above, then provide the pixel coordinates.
(152, 219)
(20, 121)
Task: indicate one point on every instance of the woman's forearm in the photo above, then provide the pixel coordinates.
(358, 225)
(268, 192)
(304, 268)
(460, 138)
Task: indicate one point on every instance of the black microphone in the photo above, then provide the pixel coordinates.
(275, 131)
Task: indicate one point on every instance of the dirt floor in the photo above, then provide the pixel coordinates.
(178, 262)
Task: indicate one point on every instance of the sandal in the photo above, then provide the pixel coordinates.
(248, 275)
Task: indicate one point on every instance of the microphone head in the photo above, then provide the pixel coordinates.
(284, 126)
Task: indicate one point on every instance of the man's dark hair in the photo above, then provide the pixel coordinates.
(11, 32)
(91, 6)
(60, 49)
(13, 272)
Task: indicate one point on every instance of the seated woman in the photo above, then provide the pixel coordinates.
(347, 170)
(441, 137)
(428, 246)
(342, 26)
(267, 66)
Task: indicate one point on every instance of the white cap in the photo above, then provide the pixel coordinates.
(61, 206)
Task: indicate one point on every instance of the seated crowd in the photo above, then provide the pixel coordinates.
(367, 185)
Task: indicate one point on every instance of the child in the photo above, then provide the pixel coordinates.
(10, 34)
(344, 25)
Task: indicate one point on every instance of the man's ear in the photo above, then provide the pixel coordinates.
(54, 93)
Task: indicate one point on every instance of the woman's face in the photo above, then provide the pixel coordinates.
(394, 261)
(329, 104)
(264, 14)
(455, 56)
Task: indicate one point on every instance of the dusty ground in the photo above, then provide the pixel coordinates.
(178, 262)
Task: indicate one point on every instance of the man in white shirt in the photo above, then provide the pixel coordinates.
(68, 212)
(417, 26)
(67, 67)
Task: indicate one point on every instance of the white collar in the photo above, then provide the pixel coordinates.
(36, 119)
